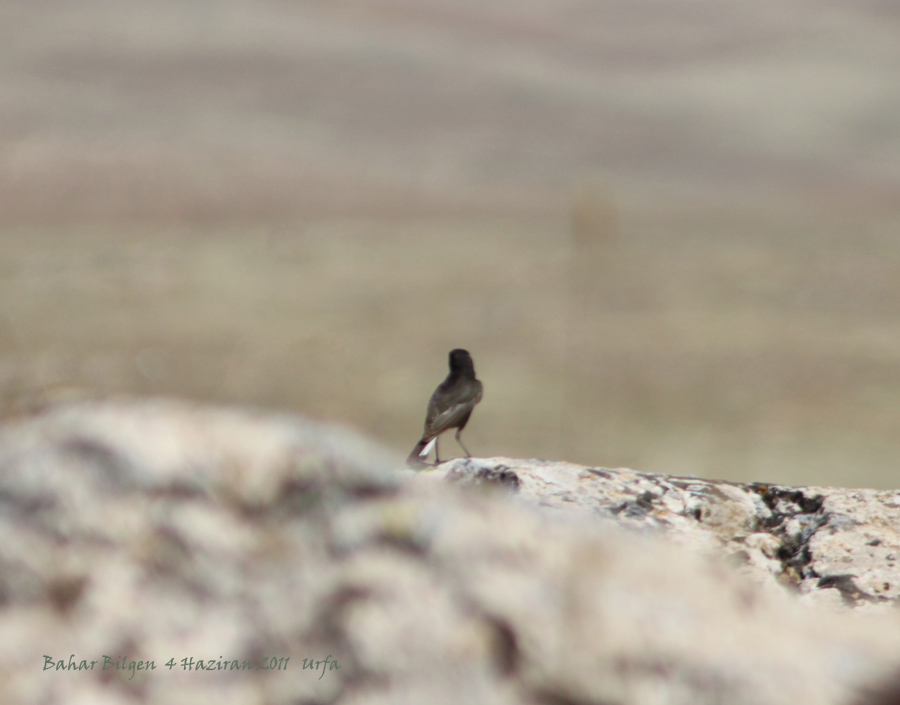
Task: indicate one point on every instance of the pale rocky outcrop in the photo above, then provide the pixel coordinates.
(161, 530)
(834, 545)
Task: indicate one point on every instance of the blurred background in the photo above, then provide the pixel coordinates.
(668, 231)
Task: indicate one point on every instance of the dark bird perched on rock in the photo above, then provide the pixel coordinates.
(450, 406)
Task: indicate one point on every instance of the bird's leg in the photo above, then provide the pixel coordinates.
(437, 456)
(458, 431)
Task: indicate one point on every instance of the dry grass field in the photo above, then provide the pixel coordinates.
(668, 232)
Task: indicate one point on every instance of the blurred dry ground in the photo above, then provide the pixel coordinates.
(669, 233)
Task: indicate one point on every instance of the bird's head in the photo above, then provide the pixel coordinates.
(460, 360)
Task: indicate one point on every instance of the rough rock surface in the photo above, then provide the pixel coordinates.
(150, 531)
(835, 545)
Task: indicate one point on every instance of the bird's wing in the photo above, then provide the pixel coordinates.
(449, 418)
(439, 420)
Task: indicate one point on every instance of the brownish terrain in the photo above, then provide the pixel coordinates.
(668, 232)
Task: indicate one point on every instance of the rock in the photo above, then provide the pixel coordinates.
(146, 544)
(819, 540)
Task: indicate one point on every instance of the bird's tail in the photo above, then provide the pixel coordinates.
(422, 449)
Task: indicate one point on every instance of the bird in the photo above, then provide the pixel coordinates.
(449, 407)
